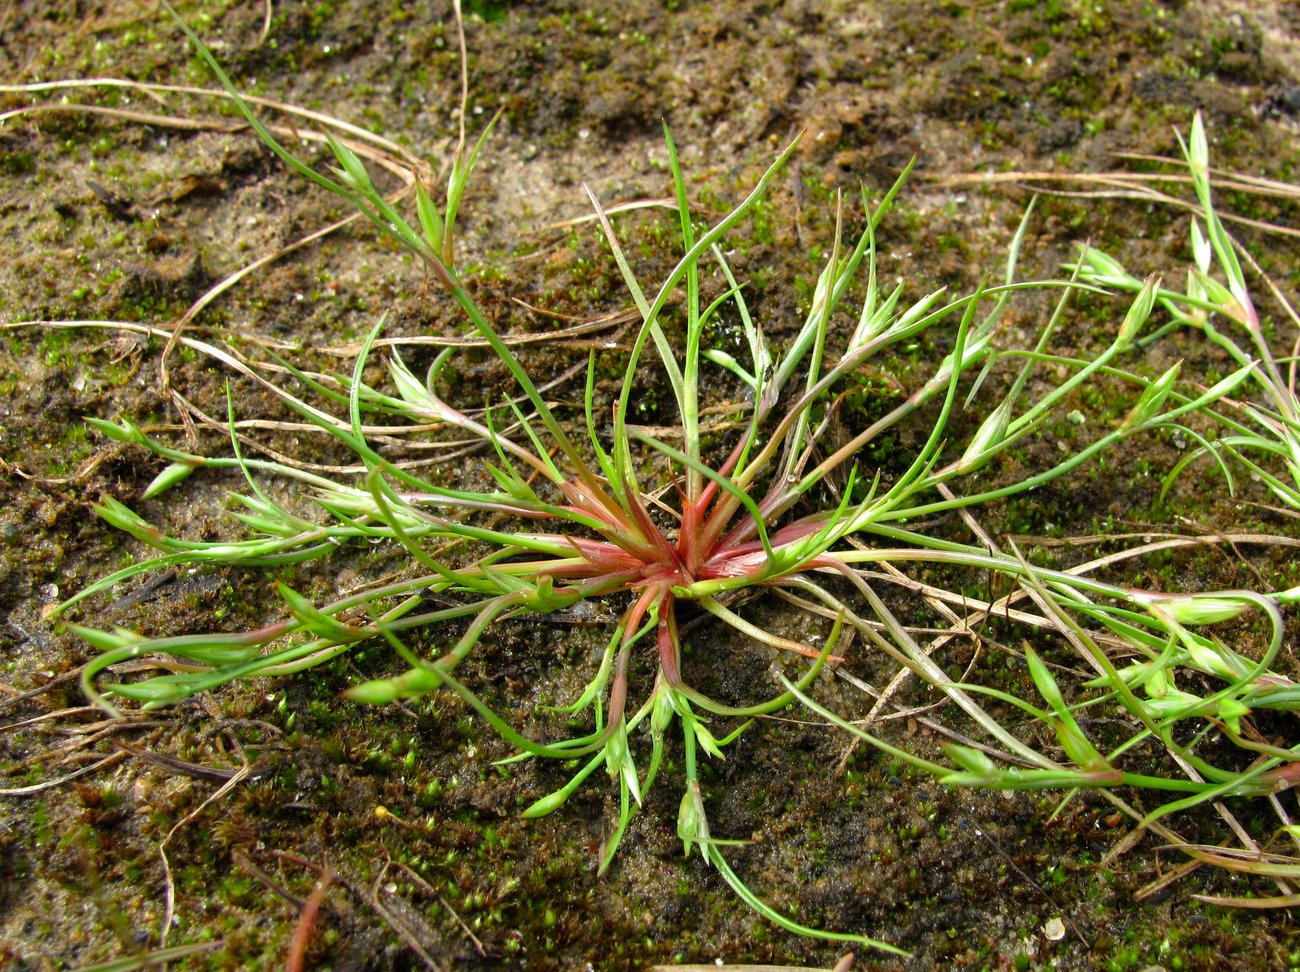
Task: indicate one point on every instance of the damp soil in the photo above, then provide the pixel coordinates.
(129, 218)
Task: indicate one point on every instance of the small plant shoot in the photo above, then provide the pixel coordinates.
(584, 509)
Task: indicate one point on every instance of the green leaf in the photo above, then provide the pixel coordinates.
(353, 172)
(315, 621)
(120, 431)
(430, 220)
(381, 691)
(1138, 311)
(169, 477)
(1153, 399)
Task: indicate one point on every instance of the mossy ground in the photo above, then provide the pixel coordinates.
(119, 220)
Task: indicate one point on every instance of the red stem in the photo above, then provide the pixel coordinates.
(669, 643)
(306, 920)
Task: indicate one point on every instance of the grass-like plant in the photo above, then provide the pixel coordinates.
(587, 506)
(1207, 704)
(1270, 428)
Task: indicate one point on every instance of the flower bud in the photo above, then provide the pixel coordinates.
(107, 640)
(547, 804)
(353, 173)
(661, 716)
(692, 824)
(1230, 712)
(986, 439)
(973, 761)
(1165, 699)
(410, 388)
(1193, 609)
(1100, 268)
(1138, 311)
(1153, 399)
(1217, 294)
(123, 432)
(1076, 745)
(708, 742)
(1201, 248)
(168, 478)
(381, 691)
(1198, 148)
(618, 758)
(430, 219)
